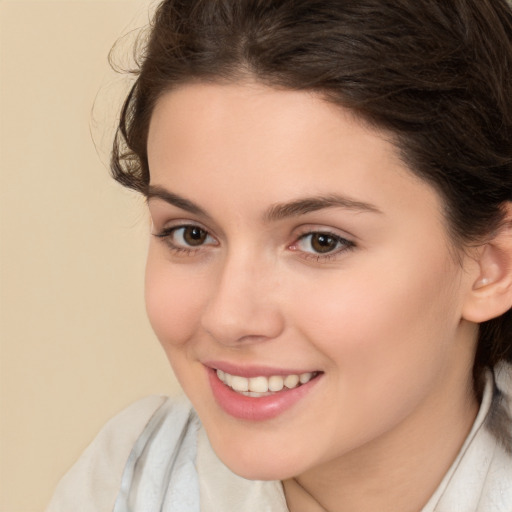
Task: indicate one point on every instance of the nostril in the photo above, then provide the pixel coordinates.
(245, 324)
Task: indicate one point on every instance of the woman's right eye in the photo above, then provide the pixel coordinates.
(186, 238)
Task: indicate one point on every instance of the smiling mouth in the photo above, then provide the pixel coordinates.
(264, 386)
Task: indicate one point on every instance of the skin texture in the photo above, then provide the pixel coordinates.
(382, 316)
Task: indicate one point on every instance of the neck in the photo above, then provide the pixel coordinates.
(397, 472)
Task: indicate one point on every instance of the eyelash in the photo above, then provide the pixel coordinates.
(167, 234)
(342, 244)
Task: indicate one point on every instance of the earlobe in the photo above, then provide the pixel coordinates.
(491, 292)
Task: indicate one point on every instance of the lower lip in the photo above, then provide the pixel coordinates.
(256, 408)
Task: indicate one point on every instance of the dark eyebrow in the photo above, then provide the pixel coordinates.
(155, 191)
(275, 212)
(312, 204)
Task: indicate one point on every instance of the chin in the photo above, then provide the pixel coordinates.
(257, 463)
(260, 470)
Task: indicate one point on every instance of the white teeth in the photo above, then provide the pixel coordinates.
(261, 386)
(258, 384)
(239, 383)
(275, 383)
(291, 381)
(305, 377)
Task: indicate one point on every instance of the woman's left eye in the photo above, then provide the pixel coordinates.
(322, 244)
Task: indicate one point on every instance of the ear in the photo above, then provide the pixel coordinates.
(491, 292)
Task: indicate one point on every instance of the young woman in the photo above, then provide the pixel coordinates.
(330, 264)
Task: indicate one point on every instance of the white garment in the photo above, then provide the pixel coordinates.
(156, 456)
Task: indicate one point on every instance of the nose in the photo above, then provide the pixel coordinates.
(243, 306)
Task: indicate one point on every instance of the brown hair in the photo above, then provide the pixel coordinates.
(436, 74)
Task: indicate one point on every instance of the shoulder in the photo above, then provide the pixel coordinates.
(479, 480)
(496, 491)
(92, 484)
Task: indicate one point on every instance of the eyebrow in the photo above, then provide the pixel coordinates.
(158, 192)
(275, 212)
(313, 204)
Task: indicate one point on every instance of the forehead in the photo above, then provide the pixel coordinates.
(250, 144)
(207, 114)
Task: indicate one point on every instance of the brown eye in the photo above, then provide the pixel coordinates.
(323, 242)
(193, 236)
(186, 237)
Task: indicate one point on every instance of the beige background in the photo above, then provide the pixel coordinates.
(75, 344)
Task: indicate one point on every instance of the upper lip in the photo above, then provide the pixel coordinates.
(254, 370)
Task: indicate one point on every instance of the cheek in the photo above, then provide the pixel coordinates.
(386, 337)
(391, 319)
(173, 301)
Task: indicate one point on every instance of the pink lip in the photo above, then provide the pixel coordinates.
(256, 408)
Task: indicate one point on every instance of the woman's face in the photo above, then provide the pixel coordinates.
(290, 240)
